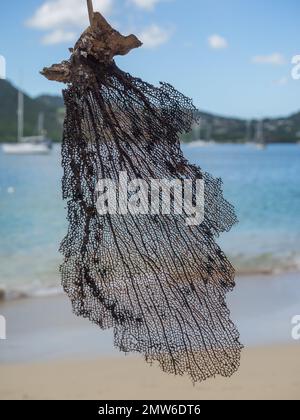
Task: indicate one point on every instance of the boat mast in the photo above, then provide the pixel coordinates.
(248, 131)
(20, 114)
(200, 127)
(208, 131)
(260, 132)
(41, 119)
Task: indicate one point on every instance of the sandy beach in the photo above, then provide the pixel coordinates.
(265, 373)
(51, 354)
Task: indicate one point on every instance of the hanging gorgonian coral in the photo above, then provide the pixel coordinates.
(159, 282)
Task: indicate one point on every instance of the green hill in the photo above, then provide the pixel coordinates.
(51, 106)
(53, 101)
(221, 129)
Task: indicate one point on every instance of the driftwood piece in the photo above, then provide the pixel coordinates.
(99, 43)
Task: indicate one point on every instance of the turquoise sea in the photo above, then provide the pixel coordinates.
(264, 186)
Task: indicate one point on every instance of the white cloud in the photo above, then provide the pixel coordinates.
(275, 59)
(58, 36)
(217, 42)
(63, 17)
(154, 36)
(282, 81)
(145, 4)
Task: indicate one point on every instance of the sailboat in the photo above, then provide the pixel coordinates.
(33, 145)
(260, 142)
(197, 141)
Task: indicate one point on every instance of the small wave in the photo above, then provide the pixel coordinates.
(266, 264)
(263, 264)
(28, 292)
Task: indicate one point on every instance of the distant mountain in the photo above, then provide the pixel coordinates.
(49, 100)
(212, 127)
(221, 129)
(51, 106)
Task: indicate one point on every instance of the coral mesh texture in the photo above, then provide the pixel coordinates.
(157, 282)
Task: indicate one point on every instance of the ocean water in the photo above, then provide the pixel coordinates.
(263, 185)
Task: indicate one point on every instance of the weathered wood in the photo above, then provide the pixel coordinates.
(99, 42)
(90, 10)
(58, 72)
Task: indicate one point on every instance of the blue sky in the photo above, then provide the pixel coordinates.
(233, 57)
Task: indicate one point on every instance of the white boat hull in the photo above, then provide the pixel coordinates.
(260, 146)
(200, 143)
(25, 149)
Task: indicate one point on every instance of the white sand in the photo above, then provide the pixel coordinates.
(49, 353)
(267, 373)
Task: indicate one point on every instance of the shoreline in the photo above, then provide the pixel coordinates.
(45, 328)
(30, 292)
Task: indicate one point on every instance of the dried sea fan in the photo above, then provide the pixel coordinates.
(159, 283)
